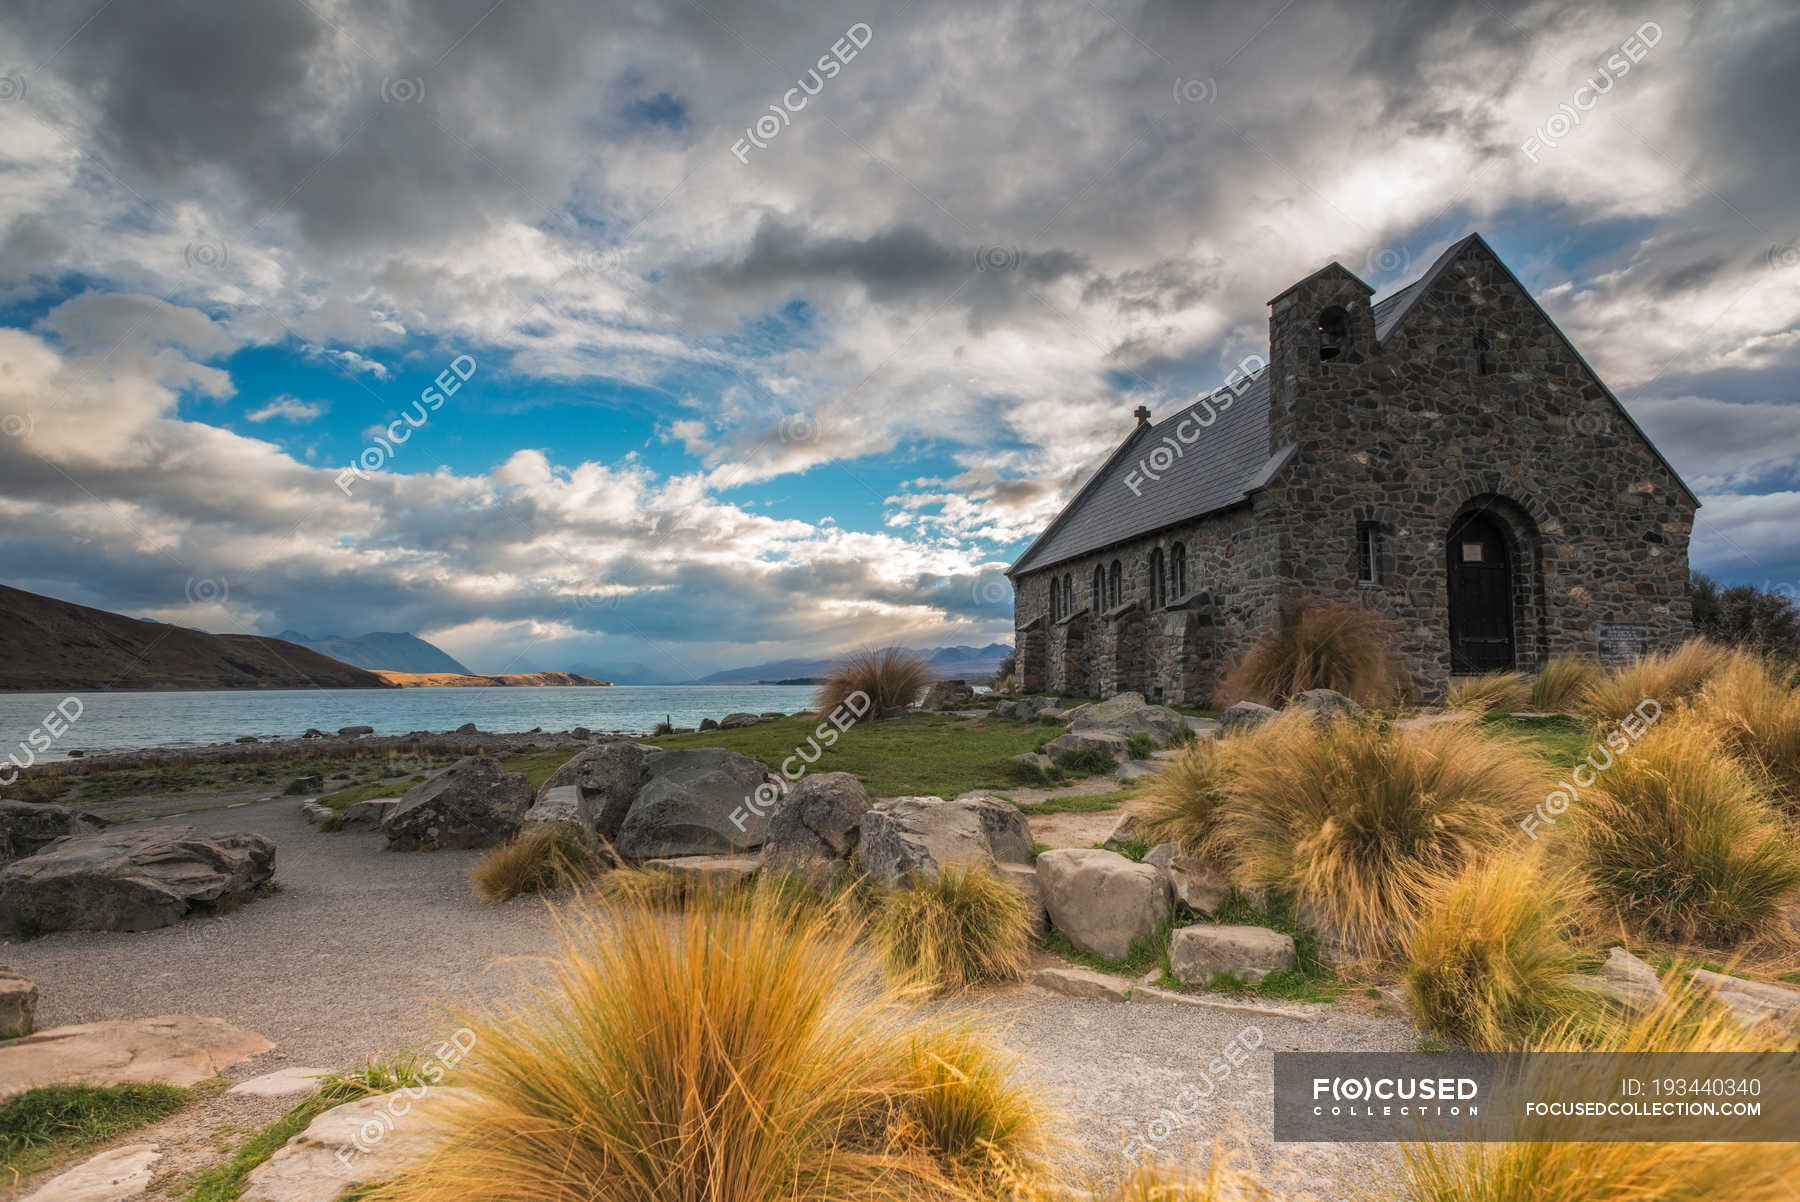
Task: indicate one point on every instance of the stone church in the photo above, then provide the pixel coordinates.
(1443, 455)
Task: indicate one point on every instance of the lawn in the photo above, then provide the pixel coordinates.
(936, 754)
(1563, 740)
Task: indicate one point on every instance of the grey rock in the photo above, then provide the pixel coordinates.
(27, 827)
(247, 739)
(367, 815)
(709, 724)
(1073, 742)
(130, 879)
(771, 715)
(473, 803)
(1196, 884)
(1025, 878)
(699, 802)
(350, 732)
(1241, 716)
(1017, 710)
(18, 1003)
(606, 778)
(313, 732)
(815, 826)
(1082, 983)
(1041, 704)
(315, 813)
(713, 871)
(1129, 714)
(1753, 1003)
(303, 786)
(1624, 982)
(738, 721)
(905, 837)
(1197, 954)
(1102, 901)
(1128, 829)
(1133, 769)
(1325, 704)
(1041, 762)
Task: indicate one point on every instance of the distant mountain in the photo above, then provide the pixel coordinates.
(951, 663)
(383, 649)
(510, 680)
(48, 645)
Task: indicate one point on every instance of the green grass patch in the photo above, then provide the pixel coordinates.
(1792, 978)
(1087, 803)
(343, 799)
(1145, 954)
(937, 754)
(1431, 1044)
(41, 1126)
(538, 766)
(1133, 849)
(1139, 747)
(1562, 739)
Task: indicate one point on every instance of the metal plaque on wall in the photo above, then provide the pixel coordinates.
(1621, 642)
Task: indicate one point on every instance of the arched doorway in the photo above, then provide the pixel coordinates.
(1481, 597)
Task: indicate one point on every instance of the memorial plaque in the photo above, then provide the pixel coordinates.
(1621, 642)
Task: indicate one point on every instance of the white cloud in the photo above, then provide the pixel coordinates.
(288, 409)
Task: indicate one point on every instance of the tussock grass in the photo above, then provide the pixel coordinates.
(964, 927)
(1682, 841)
(1488, 955)
(547, 860)
(890, 677)
(1321, 646)
(736, 1050)
(1668, 677)
(1181, 803)
(1755, 707)
(1559, 685)
(1224, 1178)
(1357, 824)
(1501, 692)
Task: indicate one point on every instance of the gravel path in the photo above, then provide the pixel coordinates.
(350, 957)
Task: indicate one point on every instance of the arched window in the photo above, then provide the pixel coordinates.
(1159, 593)
(1334, 332)
(1178, 569)
(1068, 594)
(1115, 584)
(1099, 588)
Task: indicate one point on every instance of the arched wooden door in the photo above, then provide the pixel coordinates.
(1481, 589)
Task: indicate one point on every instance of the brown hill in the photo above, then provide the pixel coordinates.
(48, 645)
(453, 680)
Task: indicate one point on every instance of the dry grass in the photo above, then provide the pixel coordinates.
(1358, 824)
(1681, 839)
(1181, 802)
(548, 860)
(964, 927)
(1559, 685)
(1608, 1172)
(734, 1051)
(891, 677)
(1668, 678)
(1496, 691)
(1224, 1178)
(1755, 708)
(1488, 957)
(1319, 646)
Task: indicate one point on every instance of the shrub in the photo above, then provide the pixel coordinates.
(546, 860)
(966, 926)
(1488, 955)
(1139, 747)
(891, 677)
(1502, 691)
(738, 1049)
(1682, 841)
(1088, 762)
(1668, 677)
(1559, 685)
(1181, 802)
(1755, 708)
(1742, 616)
(1356, 823)
(1321, 646)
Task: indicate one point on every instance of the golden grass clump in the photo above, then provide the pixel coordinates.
(735, 1051)
(1358, 824)
(1755, 707)
(963, 927)
(872, 681)
(1608, 1172)
(1321, 646)
(1667, 678)
(1488, 957)
(1501, 691)
(547, 860)
(1682, 841)
(1180, 804)
(1560, 683)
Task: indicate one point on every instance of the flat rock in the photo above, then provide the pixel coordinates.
(1075, 742)
(130, 878)
(1129, 714)
(1082, 983)
(721, 871)
(1197, 954)
(1243, 715)
(282, 1083)
(738, 721)
(1133, 769)
(700, 802)
(473, 803)
(1753, 1003)
(351, 732)
(907, 837)
(1102, 901)
(1623, 981)
(369, 1140)
(18, 1003)
(28, 827)
(113, 1176)
(175, 1049)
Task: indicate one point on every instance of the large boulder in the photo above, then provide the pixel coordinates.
(130, 879)
(945, 694)
(1076, 742)
(595, 789)
(27, 827)
(1025, 879)
(18, 1003)
(1243, 715)
(1129, 714)
(738, 721)
(699, 802)
(1323, 705)
(815, 827)
(1197, 954)
(907, 837)
(1021, 711)
(473, 803)
(1102, 901)
(366, 815)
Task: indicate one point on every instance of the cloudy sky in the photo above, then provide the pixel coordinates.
(765, 357)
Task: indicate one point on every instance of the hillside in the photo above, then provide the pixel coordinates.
(48, 645)
(394, 651)
(951, 663)
(470, 680)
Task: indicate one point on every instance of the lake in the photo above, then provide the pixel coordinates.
(122, 721)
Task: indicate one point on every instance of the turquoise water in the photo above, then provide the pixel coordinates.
(118, 721)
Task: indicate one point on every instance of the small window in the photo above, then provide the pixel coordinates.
(1484, 364)
(1159, 594)
(1115, 584)
(1178, 569)
(1334, 332)
(1368, 552)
